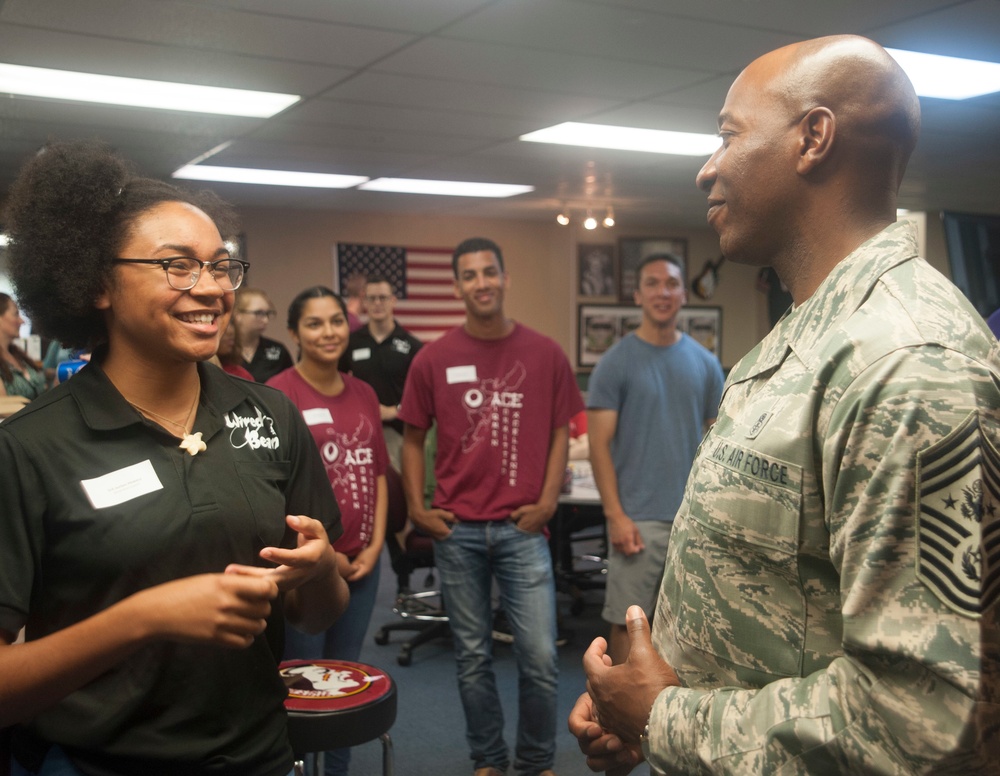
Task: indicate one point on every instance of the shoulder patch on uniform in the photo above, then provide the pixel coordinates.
(958, 526)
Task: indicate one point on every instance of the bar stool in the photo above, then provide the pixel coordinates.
(333, 704)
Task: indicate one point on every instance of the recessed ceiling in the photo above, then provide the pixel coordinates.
(441, 89)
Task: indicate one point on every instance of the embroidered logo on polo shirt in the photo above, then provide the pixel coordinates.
(272, 353)
(253, 432)
(401, 346)
(958, 484)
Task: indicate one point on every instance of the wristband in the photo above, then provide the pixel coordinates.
(644, 741)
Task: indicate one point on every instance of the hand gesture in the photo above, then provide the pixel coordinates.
(312, 557)
(623, 695)
(605, 751)
(221, 609)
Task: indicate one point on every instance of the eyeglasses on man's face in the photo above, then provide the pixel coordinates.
(184, 272)
(379, 298)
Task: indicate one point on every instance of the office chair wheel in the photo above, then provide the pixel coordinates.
(404, 658)
(381, 637)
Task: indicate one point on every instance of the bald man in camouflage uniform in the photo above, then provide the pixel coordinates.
(829, 600)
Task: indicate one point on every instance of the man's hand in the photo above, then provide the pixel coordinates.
(436, 522)
(624, 535)
(623, 695)
(532, 518)
(605, 751)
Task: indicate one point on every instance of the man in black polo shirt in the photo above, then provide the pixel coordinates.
(380, 353)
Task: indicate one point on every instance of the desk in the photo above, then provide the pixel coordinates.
(579, 509)
(583, 489)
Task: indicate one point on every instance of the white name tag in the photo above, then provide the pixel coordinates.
(123, 485)
(316, 416)
(461, 374)
(361, 354)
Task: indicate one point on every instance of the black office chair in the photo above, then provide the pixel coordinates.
(421, 611)
(586, 568)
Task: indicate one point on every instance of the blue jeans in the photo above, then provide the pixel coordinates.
(467, 560)
(342, 641)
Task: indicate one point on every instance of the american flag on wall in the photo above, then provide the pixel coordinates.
(423, 280)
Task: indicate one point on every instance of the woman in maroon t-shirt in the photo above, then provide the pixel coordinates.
(343, 414)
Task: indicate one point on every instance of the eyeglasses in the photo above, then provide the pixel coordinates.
(183, 272)
(378, 298)
(258, 314)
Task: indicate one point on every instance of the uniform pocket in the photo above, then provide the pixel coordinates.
(741, 595)
(264, 484)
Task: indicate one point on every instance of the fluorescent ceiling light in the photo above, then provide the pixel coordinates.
(657, 141)
(446, 188)
(948, 78)
(140, 93)
(314, 180)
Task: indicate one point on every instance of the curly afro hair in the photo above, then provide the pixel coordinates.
(68, 213)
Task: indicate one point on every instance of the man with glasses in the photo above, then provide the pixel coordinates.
(380, 353)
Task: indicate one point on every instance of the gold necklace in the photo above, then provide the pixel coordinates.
(190, 443)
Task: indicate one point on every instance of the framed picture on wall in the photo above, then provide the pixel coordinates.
(599, 326)
(631, 252)
(596, 271)
(703, 324)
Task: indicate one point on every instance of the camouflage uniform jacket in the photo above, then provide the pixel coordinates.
(822, 601)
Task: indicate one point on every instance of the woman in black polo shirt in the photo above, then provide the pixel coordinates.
(144, 543)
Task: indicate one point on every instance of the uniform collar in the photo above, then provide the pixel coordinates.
(103, 408)
(840, 294)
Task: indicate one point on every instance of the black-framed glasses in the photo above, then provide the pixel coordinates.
(383, 298)
(183, 272)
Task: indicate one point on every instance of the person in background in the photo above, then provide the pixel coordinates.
(342, 413)
(355, 288)
(502, 396)
(146, 545)
(20, 375)
(262, 357)
(650, 400)
(830, 599)
(55, 354)
(230, 353)
(380, 353)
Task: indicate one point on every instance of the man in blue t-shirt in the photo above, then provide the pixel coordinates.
(650, 400)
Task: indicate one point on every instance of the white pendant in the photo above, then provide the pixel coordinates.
(192, 444)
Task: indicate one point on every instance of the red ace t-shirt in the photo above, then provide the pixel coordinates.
(496, 403)
(348, 433)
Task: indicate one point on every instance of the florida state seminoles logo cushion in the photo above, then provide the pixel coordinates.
(328, 685)
(958, 489)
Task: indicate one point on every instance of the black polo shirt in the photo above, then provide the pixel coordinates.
(383, 365)
(269, 358)
(96, 503)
